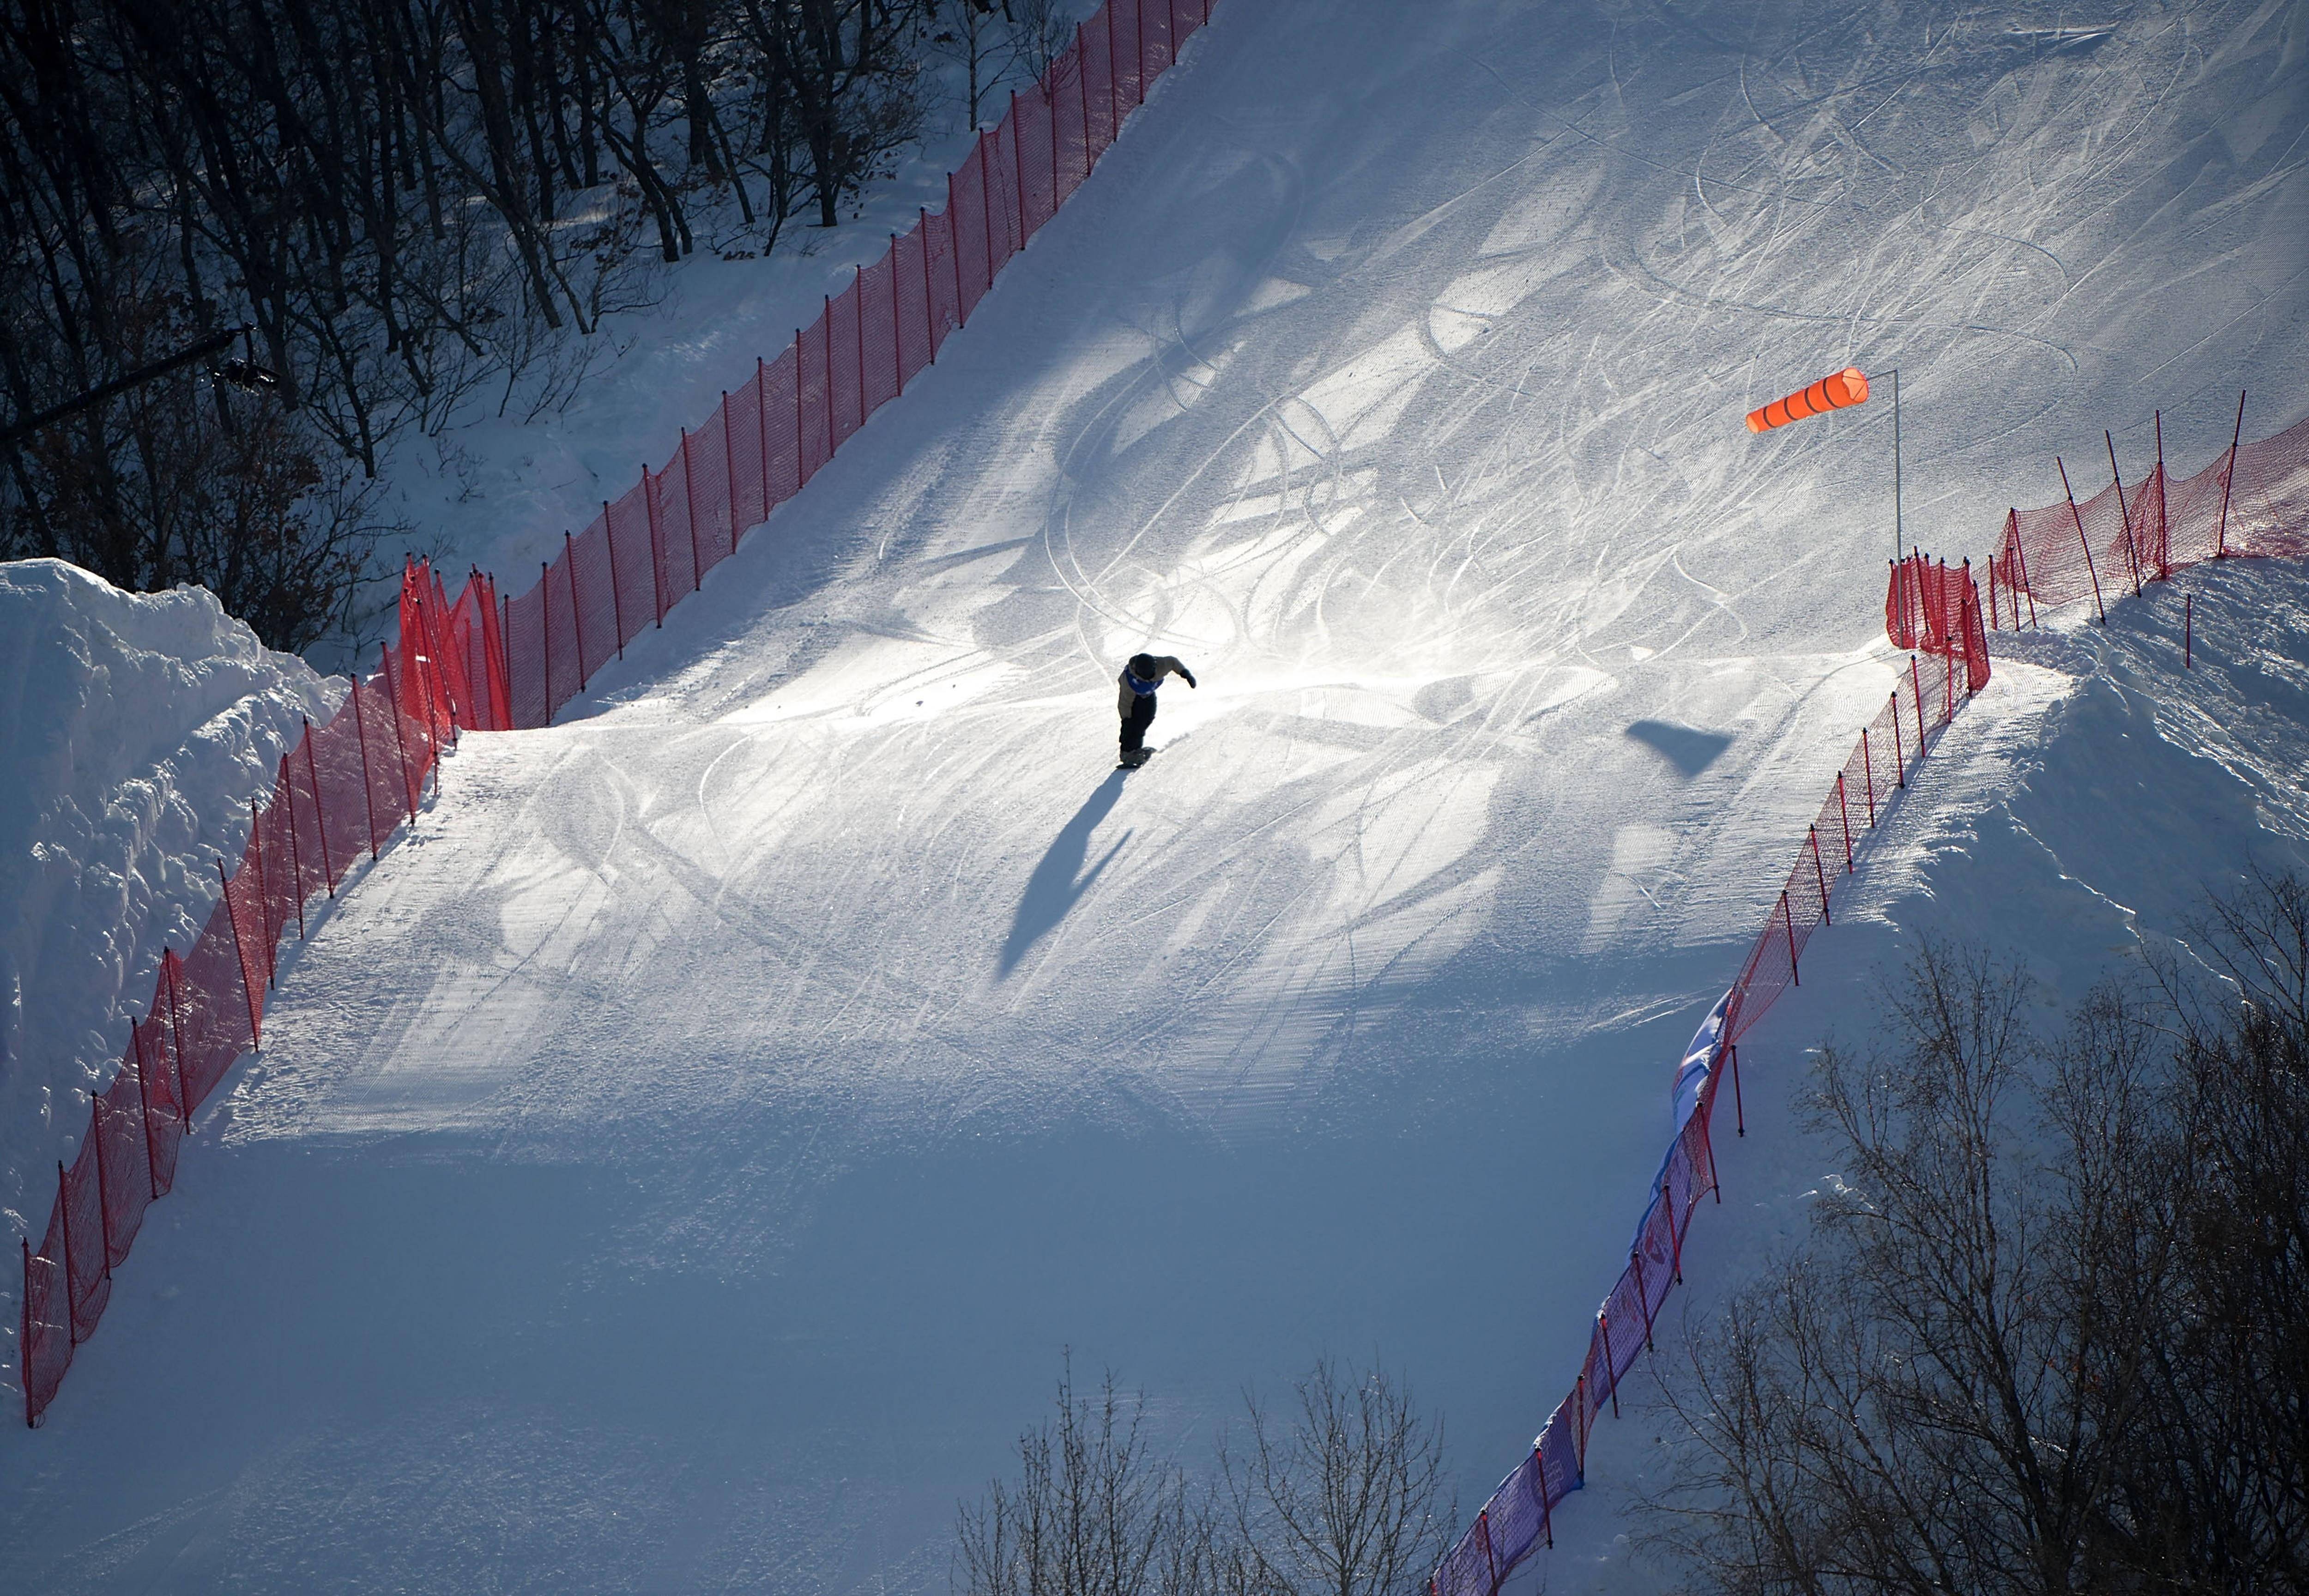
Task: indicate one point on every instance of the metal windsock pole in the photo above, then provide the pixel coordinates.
(1898, 542)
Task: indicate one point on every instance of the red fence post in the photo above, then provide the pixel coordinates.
(1581, 1424)
(24, 1336)
(1611, 1364)
(1900, 754)
(985, 206)
(320, 814)
(761, 414)
(657, 540)
(1787, 917)
(144, 1106)
(1546, 1524)
(576, 606)
(858, 297)
(433, 675)
(360, 737)
(729, 468)
(930, 303)
(263, 896)
(1491, 1559)
(1844, 810)
(400, 738)
(2020, 556)
(801, 453)
(296, 855)
(1916, 686)
(169, 965)
(2228, 481)
(103, 1197)
(1739, 1111)
(2082, 541)
(689, 497)
(1643, 1293)
(952, 255)
(826, 319)
(240, 958)
(1812, 833)
(64, 1214)
(1017, 169)
(2163, 526)
(545, 625)
(617, 600)
(2132, 549)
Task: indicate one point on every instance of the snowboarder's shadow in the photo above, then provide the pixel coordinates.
(1059, 879)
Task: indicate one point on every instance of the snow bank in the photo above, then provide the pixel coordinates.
(134, 727)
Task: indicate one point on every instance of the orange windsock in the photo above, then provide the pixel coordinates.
(1832, 392)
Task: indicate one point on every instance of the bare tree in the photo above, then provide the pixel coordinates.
(1040, 32)
(1337, 1495)
(1095, 1512)
(2036, 1344)
(410, 201)
(973, 35)
(2218, 1483)
(1342, 1494)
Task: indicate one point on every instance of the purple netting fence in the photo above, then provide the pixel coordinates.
(1517, 1518)
(2253, 500)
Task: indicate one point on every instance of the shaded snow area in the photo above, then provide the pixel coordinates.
(680, 1163)
(134, 727)
(2077, 817)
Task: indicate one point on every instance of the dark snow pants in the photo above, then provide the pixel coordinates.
(1134, 723)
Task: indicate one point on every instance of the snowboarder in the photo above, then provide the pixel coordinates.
(1139, 679)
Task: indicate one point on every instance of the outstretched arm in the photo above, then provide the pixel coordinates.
(1169, 662)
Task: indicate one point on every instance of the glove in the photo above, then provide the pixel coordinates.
(1188, 674)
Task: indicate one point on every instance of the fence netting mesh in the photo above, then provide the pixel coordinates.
(1515, 1520)
(495, 663)
(2251, 500)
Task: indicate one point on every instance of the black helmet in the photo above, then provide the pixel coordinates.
(1142, 666)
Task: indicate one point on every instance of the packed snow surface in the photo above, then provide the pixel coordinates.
(681, 1163)
(134, 729)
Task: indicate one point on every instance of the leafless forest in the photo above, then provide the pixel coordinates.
(418, 208)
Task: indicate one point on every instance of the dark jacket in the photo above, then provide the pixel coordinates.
(1147, 671)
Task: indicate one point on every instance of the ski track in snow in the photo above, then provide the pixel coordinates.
(680, 1164)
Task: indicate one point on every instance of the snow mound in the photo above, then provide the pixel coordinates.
(134, 727)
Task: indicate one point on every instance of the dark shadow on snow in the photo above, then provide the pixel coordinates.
(1059, 880)
(1686, 747)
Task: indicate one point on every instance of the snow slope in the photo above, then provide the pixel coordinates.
(2077, 817)
(133, 729)
(680, 1164)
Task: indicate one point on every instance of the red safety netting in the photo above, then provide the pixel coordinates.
(641, 555)
(1516, 1520)
(488, 662)
(1937, 609)
(338, 794)
(2251, 500)
(2254, 500)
